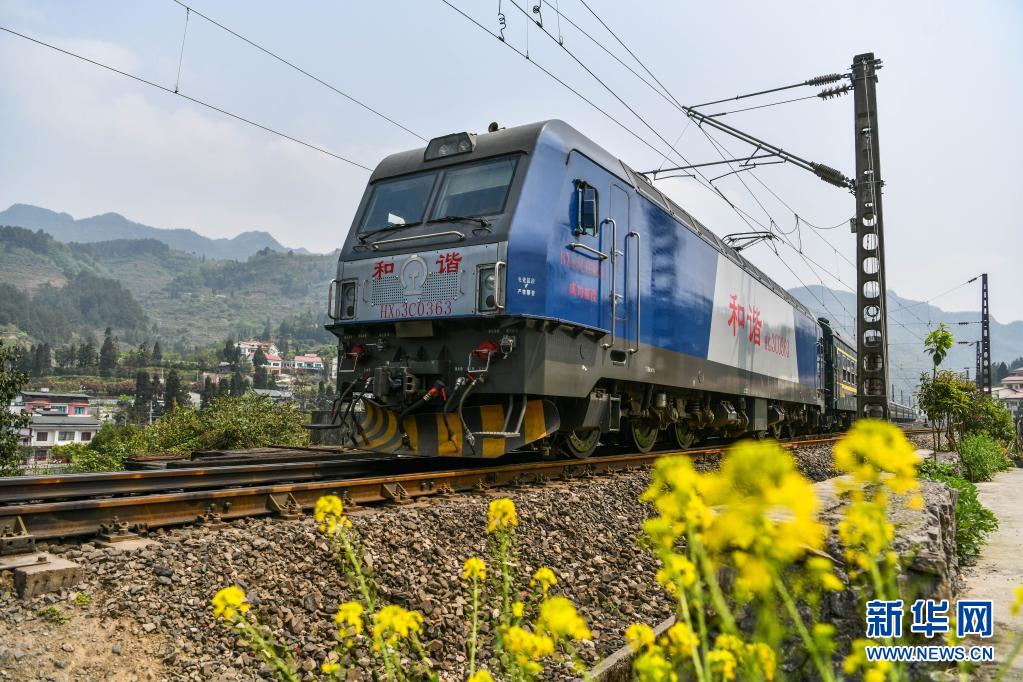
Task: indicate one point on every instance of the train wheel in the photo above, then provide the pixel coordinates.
(581, 443)
(642, 435)
(774, 431)
(682, 435)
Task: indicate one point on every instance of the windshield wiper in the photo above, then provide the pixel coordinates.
(463, 219)
(396, 228)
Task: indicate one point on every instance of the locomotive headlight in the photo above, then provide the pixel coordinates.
(486, 288)
(348, 291)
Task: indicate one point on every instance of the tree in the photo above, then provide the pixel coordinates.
(231, 352)
(144, 393)
(237, 383)
(259, 358)
(12, 380)
(209, 392)
(108, 354)
(142, 357)
(259, 378)
(999, 372)
(937, 344)
(175, 394)
(157, 352)
(43, 362)
(87, 355)
(267, 333)
(223, 387)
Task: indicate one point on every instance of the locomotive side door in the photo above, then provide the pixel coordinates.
(619, 305)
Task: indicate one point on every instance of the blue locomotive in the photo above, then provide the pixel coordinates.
(524, 286)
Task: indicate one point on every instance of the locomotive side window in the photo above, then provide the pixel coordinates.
(587, 211)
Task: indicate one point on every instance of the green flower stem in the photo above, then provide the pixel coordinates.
(266, 651)
(701, 673)
(475, 625)
(1017, 645)
(356, 563)
(811, 645)
(716, 596)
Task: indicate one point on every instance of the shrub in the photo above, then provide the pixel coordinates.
(84, 459)
(974, 521)
(982, 457)
(984, 414)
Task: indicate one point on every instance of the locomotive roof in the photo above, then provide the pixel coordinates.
(525, 139)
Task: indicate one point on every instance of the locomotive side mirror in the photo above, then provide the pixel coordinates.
(587, 210)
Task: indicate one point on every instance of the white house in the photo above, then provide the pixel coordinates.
(248, 348)
(48, 430)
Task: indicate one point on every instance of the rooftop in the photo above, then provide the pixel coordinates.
(50, 395)
(44, 420)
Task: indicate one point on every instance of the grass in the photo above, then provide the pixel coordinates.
(974, 521)
(52, 614)
(82, 599)
(982, 457)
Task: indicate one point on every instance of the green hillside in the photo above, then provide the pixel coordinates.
(184, 299)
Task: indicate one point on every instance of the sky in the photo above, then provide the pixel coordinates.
(78, 139)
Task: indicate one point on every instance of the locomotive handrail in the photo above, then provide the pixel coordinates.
(639, 284)
(599, 254)
(454, 233)
(614, 290)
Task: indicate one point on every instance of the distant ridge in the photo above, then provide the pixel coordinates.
(109, 226)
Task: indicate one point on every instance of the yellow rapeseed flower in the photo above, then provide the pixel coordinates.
(676, 570)
(652, 666)
(518, 608)
(330, 668)
(820, 570)
(865, 532)
(230, 603)
(527, 648)
(329, 515)
(559, 618)
(639, 636)
(544, 577)
(764, 657)
(392, 623)
(722, 661)
(1017, 601)
(474, 569)
(501, 514)
(349, 619)
(480, 676)
(680, 640)
(875, 451)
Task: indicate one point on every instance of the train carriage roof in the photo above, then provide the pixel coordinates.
(525, 138)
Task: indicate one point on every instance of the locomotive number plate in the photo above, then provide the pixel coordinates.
(400, 311)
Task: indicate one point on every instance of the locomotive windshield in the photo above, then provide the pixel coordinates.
(398, 202)
(475, 190)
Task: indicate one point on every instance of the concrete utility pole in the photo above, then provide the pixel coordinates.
(984, 377)
(871, 307)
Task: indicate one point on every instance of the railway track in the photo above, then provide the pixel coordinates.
(120, 504)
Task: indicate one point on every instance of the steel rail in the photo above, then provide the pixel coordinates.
(48, 520)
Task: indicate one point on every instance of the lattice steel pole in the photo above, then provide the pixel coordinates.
(984, 377)
(871, 308)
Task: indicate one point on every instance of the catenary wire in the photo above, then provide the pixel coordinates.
(200, 102)
(292, 65)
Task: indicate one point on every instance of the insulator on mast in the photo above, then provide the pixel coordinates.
(830, 175)
(834, 92)
(824, 80)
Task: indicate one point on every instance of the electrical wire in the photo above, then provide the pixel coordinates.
(187, 97)
(299, 69)
(760, 106)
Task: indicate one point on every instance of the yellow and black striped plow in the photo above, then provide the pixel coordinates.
(439, 434)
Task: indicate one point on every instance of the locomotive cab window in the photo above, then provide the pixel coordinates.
(587, 214)
(477, 190)
(398, 202)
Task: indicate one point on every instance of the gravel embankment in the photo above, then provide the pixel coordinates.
(150, 612)
(584, 529)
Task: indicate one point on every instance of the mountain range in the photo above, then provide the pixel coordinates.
(193, 290)
(63, 227)
(909, 322)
